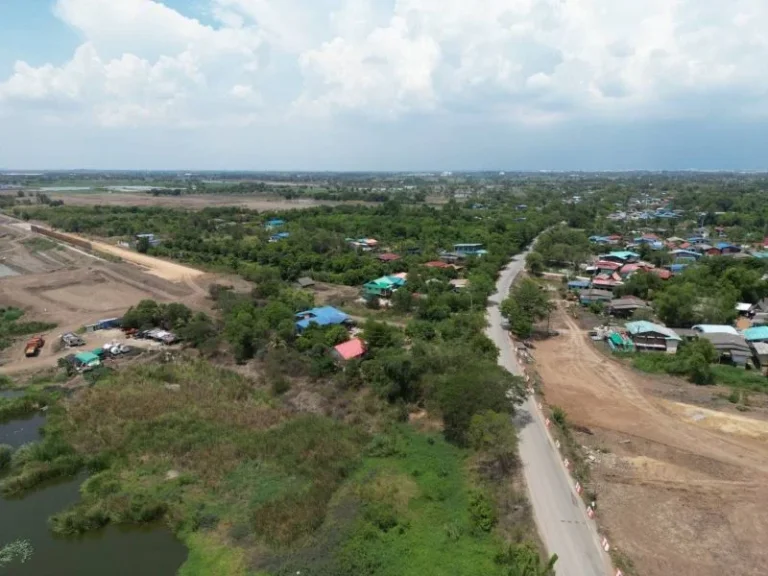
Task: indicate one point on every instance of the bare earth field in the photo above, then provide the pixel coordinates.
(682, 488)
(68, 287)
(191, 201)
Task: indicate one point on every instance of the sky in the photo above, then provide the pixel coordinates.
(383, 84)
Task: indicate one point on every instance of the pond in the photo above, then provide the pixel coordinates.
(22, 430)
(115, 551)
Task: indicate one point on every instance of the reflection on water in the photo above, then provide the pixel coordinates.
(114, 551)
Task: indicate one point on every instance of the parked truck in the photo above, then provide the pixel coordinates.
(33, 346)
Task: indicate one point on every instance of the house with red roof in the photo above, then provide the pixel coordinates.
(349, 350)
(388, 257)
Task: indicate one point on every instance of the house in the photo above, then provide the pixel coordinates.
(305, 282)
(662, 273)
(469, 249)
(437, 264)
(388, 257)
(676, 268)
(383, 287)
(626, 306)
(756, 334)
(621, 257)
(578, 284)
(274, 223)
(727, 248)
(607, 281)
(150, 238)
(324, 316)
(279, 236)
(349, 350)
(363, 244)
(745, 308)
(595, 295)
(459, 283)
(682, 254)
(732, 347)
(650, 336)
(715, 329)
(606, 266)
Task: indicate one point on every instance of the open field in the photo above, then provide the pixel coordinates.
(681, 488)
(61, 285)
(190, 201)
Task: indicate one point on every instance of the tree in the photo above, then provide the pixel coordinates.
(379, 335)
(526, 304)
(695, 359)
(495, 435)
(471, 391)
(402, 301)
(675, 306)
(534, 263)
(142, 245)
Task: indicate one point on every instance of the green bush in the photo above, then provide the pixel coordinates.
(6, 452)
(482, 511)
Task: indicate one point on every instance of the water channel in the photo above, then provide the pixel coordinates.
(115, 551)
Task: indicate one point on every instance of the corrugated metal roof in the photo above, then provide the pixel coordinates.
(351, 349)
(325, 316)
(716, 329)
(642, 326)
(756, 333)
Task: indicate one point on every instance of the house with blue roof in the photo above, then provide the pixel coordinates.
(279, 236)
(274, 223)
(727, 248)
(681, 254)
(621, 256)
(323, 316)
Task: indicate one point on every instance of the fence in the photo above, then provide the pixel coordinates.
(63, 237)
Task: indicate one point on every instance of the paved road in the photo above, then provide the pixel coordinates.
(560, 515)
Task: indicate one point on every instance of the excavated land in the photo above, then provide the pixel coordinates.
(682, 489)
(59, 284)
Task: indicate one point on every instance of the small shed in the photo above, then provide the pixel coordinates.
(87, 360)
(760, 351)
(305, 282)
(578, 284)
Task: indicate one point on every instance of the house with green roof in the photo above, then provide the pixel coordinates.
(382, 287)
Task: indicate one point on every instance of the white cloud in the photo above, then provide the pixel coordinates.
(529, 61)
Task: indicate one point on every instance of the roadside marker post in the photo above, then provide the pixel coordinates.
(548, 423)
(590, 513)
(579, 489)
(557, 445)
(567, 463)
(619, 572)
(604, 543)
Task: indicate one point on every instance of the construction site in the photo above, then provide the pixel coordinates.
(56, 279)
(681, 477)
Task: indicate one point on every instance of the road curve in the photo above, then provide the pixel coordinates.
(559, 513)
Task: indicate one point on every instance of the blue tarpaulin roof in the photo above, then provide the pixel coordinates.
(578, 284)
(324, 316)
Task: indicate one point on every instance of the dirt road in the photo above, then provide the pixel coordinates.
(165, 269)
(682, 489)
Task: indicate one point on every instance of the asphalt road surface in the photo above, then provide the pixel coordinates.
(560, 515)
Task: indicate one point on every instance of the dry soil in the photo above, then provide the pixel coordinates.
(682, 489)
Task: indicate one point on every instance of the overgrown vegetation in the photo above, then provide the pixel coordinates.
(11, 327)
(224, 461)
(527, 303)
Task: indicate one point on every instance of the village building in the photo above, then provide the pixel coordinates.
(655, 337)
